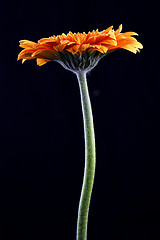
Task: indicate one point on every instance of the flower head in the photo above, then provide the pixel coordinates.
(77, 51)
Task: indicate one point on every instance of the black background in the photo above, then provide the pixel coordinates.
(41, 128)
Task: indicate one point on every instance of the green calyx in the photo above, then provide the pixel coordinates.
(75, 63)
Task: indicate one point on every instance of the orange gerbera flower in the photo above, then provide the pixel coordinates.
(79, 53)
(73, 47)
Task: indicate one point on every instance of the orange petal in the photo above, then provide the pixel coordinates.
(26, 44)
(73, 49)
(44, 53)
(47, 40)
(26, 54)
(83, 47)
(130, 34)
(23, 60)
(109, 42)
(107, 30)
(59, 47)
(95, 46)
(128, 41)
(118, 30)
(41, 61)
(103, 49)
(130, 48)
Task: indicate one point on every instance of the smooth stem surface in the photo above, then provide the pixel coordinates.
(89, 170)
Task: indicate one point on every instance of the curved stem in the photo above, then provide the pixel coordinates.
(89, 170)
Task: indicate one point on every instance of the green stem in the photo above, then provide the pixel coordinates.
(89, 170)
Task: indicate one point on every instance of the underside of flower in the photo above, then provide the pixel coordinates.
(75, 63)
(77, 51)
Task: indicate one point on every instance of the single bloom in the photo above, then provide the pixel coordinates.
(78, 51)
